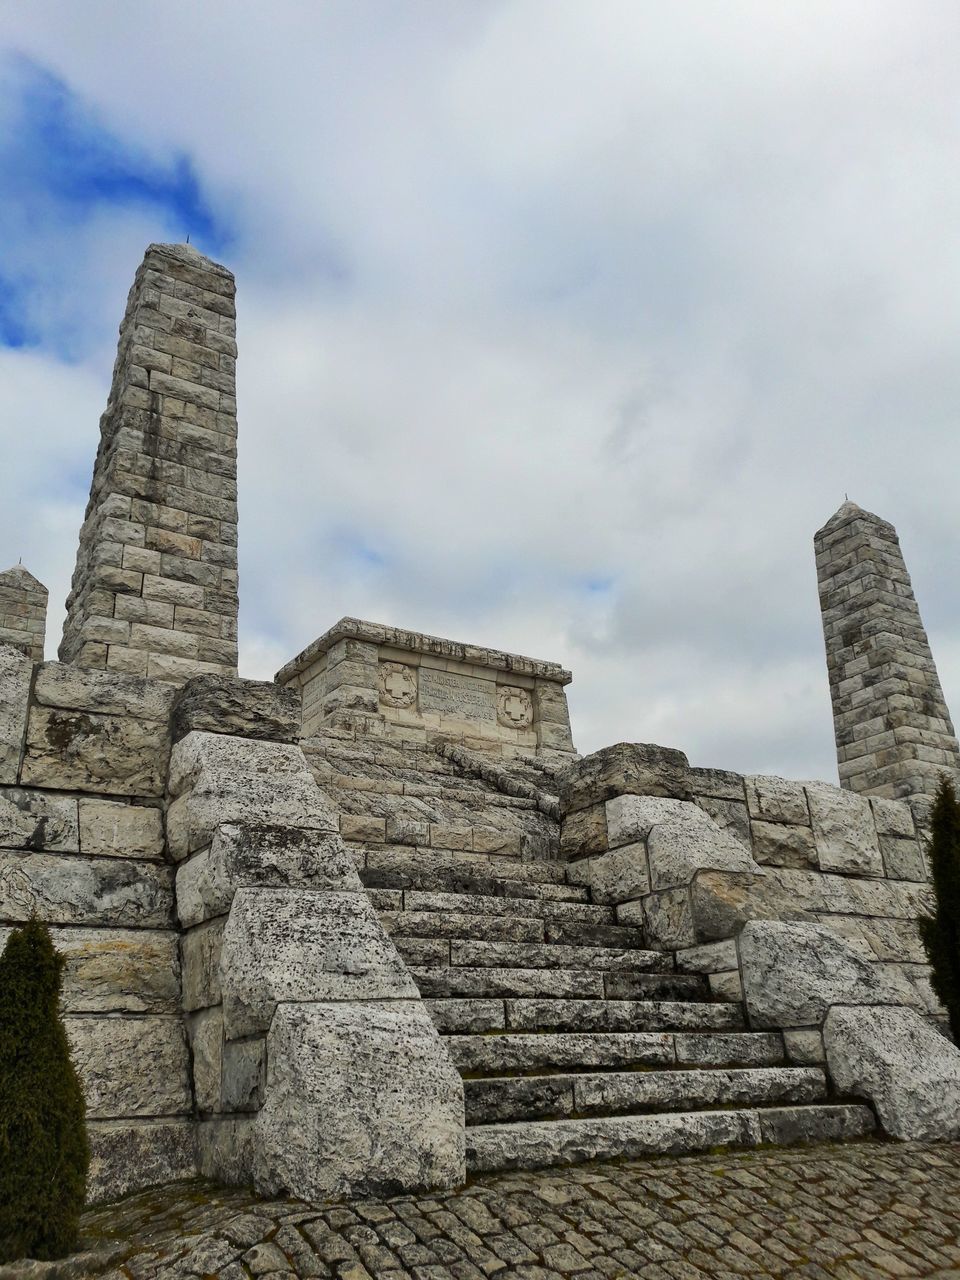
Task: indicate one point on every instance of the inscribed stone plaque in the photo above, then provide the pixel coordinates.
(454, 695)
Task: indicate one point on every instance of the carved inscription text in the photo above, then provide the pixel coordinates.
(454, 695)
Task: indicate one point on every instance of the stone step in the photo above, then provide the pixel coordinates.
(553, 955)
(413, 860)
(478, 1055)
(481, 904)
(477, 1016)
(560, 984)
(577, 934)
(554, 1097)
(434, 924)
(454, 880)
(537, 1144)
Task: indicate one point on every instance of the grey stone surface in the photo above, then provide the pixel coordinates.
(86, 751)
(128, 1155)
(804, 1045)
(776, 800)
(845, 832)
(111, 829)
(794, 972)
(244, 1074)
(678, 848)
(902, 858)
(244, 708)
(118, 970)
(622, 875)
(628, 768)
(65, 889)
(205, 1035)
(38, 821)
(218, 780)
(632, 817)
(729, 815)
(243, 856)
(903, 1065)
(486, 1054)
(781, 844)
(131, 1066)
(283, 945)
(15, 674)
(359, 1098)
(200, 952)
(114, 693)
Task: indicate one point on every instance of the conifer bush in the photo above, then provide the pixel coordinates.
(43, 1141)
(941, 931)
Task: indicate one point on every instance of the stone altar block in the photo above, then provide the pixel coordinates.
(424, 688)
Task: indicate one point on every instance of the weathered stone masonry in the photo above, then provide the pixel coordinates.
(893, 730)
(155, 587)
(23, 611)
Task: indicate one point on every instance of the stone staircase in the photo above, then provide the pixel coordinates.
(574, 1041)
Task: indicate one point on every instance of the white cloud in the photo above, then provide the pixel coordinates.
(539, 295)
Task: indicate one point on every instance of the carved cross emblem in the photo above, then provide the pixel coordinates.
(396, 684)
(514, 708)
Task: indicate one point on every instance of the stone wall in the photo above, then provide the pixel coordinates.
(23, 611)
(83, 765)
(418, 689)
(692, 854)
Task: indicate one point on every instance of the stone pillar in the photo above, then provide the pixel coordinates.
(155, 586)
(893, 730)
(23, 611)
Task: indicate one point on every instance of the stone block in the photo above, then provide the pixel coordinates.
(220, 780)
(804, 1046)
(205, 1033)
(38, 821)
(902, 1064)
(845, 832)
(678, 848)
(16, 672)
(114, 830)
(105, 693)
(725, 986)
(243, 856)
(128, 1156)
(584, 831)
(622, 875)
(718, 784)
(892, 817)
(225, 1149)
(361, 1100)
(776, 800)
(131, 1066)
(794, 972)
(118, 970)
(243, 1075)
(200, 950)
(628, 768)
(711, 957)
(243, 708)
(84, 751)
(666, 916)
(359, 826)
(721, 902)
(283, 946)
(729, 815)
(65, 889)
(781, 845)
(631, 818)
(902, 858)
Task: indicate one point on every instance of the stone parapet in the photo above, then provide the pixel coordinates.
(154, 592)
(893, 730)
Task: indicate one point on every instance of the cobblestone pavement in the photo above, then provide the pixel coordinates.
(869, 1210)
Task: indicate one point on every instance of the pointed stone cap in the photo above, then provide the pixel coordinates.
(22, 578)
(189, 256)
(848, 512)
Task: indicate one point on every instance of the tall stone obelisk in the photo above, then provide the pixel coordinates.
(893, 730)
(154, 591)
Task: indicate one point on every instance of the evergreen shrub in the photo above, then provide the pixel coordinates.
(43, 1141)
(941, 931)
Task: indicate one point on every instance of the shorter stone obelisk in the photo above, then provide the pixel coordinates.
(23, 611)
(893, 730)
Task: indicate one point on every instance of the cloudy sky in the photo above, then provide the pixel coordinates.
(563, 324)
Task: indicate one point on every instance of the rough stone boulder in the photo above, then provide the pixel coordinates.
(902, 1064)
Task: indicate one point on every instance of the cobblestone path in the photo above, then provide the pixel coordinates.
(868, 1210)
